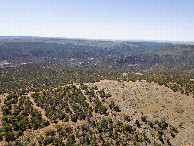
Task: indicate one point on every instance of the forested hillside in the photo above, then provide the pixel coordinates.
(82, 115)
(117, 54)
(88, 92)
(43, 75)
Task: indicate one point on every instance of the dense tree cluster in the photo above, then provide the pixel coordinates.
(39, 76)
(44, 75)
(19, 115)
(177, 82)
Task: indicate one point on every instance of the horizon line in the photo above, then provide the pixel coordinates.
(50, 37)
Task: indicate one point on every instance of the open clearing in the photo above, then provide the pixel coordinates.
(156, 102)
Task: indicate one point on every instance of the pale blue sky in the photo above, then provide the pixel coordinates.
(99, 19)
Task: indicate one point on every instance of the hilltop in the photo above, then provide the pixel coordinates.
(106, 112)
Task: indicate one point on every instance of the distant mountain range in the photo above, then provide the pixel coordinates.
(58, 38)
(76, 52)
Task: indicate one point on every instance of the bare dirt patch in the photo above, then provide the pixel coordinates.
(155, 101)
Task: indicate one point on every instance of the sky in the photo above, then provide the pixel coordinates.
(171, 20)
